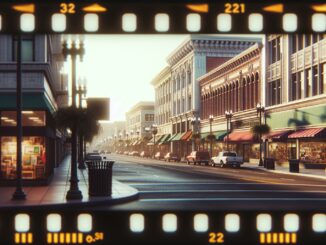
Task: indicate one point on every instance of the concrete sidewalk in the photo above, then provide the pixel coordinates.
(314, 173)
(54, 195)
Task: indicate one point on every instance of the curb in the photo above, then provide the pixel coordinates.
(289, 173)
(92, 203)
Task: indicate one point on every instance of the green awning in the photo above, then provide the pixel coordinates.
(204, 135)
(160, 139)
(178, 136)
(172, 137)
(29, 101)
(165, 139)
(219, 135)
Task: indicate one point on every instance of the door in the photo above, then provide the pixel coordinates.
(246, 152)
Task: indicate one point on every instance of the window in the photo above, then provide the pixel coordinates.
(27, 48)
(33, 118)
(308, 83)
(297, 80)
(323, 78)
(294, 43)
(149, 117)
(189, 103)
(275, 50)
(274, 92)
(9, 118)
(315, 81)
(300, 40)
(33, 157)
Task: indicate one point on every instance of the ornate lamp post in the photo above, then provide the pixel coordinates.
(228, 116)
(154, 132)
(211, 118)
(81, 91)
(260, 109)
(19, 193)
(195, 126)
(73, 51)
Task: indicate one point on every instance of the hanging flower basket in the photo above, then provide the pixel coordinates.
(86, 123)
(258, 130)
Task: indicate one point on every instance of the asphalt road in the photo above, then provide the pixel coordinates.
(178, 186)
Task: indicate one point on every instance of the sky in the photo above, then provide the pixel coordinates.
(121, 67)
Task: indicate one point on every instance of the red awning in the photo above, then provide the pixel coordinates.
(240, 136)
(186, 136)
(307, 133)
(277, 135)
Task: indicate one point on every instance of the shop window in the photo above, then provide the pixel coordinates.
(33, 157)
(9, 118)
(313, 152)
(278, 151)
(33, 118)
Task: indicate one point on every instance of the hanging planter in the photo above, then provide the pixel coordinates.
(87, 125)
(258, 130)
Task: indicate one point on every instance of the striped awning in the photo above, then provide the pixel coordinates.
(308, 133)
(160, 139)
(277, 135)
(240, 136)
(172, 137)
(186, 136)
(177, 137)
(165, 139)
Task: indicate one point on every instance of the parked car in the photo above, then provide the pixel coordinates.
(170, 156)
(158, 155)
(198, 157)
(93, 156)
(145, 154)
(134, 153)
(227, 158)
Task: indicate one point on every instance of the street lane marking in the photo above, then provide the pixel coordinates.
(287, 179)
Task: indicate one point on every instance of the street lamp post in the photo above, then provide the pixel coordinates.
(81, 91)
(260, 109)
(19, 193)
(154, 132)
(73, 51)
(211, 118)
(228, 116)
(194, 122)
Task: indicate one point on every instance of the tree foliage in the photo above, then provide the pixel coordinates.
(85, 121)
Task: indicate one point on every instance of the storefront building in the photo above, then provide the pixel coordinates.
(233, 86)
(196, 56)
(296, 98)
(43, 145)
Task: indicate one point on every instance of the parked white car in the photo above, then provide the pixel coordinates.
(227, 158)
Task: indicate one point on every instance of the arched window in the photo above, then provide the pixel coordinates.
(244, 97)
(253, 91)
(237, 95)
(257, 89)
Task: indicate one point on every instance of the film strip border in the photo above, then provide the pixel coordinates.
(158, 17)
(102, 227)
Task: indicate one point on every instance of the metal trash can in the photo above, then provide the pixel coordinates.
(294, 165)
(269, 163)
(99, 177)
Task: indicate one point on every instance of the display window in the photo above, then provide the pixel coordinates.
(33, 157)
(278, 151)
(313, 152)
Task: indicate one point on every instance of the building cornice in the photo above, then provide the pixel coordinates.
(245, 56)
(216, 46)
(163, 75)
